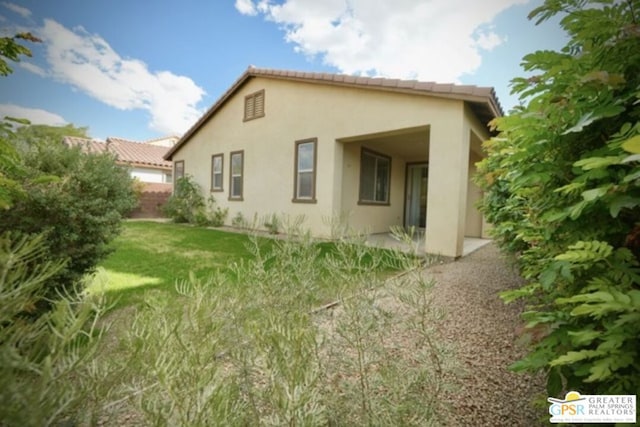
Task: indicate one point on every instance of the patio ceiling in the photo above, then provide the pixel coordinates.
(411, 144)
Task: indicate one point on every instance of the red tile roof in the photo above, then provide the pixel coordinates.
(126, 151)
(482, 100)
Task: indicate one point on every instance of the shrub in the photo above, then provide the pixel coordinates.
(76, 201)
(187, 205)
(251, 350)
(272, 223)
(46, 370)
(562, 184)
(239, 220)
(186, 202)
(217, 215)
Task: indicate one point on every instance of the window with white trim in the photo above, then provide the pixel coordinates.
(304, 188)
(375, 178)
(217, 161)
(236, 175)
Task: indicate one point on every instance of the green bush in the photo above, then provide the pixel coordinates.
(239, 220)
(188, 205)
(76, 201)
(186, 202)
(272, 223)
(46, 372)
(562, 183)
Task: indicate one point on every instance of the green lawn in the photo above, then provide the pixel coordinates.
(156, 255)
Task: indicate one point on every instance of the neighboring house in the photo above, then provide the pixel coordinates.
(382, 152)
(144, 159)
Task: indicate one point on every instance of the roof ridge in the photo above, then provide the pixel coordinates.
(389, 83)
(340, 77)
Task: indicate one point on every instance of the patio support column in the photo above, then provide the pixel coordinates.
(448, 180)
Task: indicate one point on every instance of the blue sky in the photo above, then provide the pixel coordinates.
(143, 69)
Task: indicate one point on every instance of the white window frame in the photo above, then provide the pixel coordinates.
(215, 173)
(375, 181)
(297, 197)
(232, 175)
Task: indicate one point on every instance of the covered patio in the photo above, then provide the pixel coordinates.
(429, 185)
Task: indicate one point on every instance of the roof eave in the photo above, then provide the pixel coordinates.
(340, 80)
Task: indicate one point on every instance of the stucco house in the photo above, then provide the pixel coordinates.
(381, 152)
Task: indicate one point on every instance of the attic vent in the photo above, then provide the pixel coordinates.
(254, 105)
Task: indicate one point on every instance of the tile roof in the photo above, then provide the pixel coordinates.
(126, 151)
(482, 100)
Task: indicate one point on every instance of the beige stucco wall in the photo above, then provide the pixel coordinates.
(476, 226)
(337, 116)
(473, 225)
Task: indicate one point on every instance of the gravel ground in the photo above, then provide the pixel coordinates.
(482, 331)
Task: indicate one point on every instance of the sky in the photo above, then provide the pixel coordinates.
(146, 69)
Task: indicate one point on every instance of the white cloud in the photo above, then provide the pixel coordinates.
(29, 66)
(87, 62)
(437, 40)
(36, 116)
(246, 7)
(488, 40)
(22, 11)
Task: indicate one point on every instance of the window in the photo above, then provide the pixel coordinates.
(236, 175)
(179, 169)
(168, 178)
(375, 173)
(216, 172)
(304, 187)
(254, 106)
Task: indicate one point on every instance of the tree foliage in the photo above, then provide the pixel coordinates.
(32, 134)
(76, 200)
(10, 50)
(562, 183)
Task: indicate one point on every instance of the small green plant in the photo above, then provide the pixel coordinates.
(273, 223)
(217, 215)
(239, 220)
